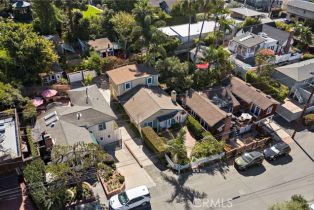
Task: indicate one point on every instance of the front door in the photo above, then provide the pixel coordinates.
(169, 123)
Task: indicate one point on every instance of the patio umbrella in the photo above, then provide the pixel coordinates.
(202, 66)
(37, 101)
(49, 93)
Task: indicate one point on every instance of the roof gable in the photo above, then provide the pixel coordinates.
(298, 71)
(130, 72)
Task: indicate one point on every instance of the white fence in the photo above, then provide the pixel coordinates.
(288, 57)
(80, 75)
(193, 164)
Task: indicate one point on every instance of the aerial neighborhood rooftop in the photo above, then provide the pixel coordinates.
(156, 104)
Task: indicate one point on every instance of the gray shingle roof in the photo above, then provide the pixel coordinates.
(306, 5)
(248, 39)
(69, 129)
(298, 71)
(272, 32)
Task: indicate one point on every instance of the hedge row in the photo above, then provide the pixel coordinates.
(194, 127)
(277, 90)
(152, 140)
(33, 148)
(309, 119)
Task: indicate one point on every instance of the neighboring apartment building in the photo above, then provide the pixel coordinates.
(300, 10)
(88, 119)
(125, 78)
(249, 40)
(265, 5)
(10, 142)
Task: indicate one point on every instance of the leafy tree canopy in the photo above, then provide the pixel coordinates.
(174, 74)
(297, 202)
(30, 53)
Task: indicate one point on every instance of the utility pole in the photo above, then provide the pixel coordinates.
(303, 112)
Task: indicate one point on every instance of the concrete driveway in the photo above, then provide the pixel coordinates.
(129, 166)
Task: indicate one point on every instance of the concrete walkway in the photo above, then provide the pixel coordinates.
(189, 142)
(277, 131)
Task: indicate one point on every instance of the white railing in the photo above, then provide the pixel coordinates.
(288, 57)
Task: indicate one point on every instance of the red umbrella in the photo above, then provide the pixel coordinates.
(37, 101)
(202, 66)
(49, 93)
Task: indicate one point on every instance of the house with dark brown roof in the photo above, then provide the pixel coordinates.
(125, 78)
(252, 100)
(211, 117)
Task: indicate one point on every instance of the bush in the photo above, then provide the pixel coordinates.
(33, 148)
(195, 127)
(277, 90)
(152, 140)
(207, 147)
(309, 119)
(307, 56)
(206, 134)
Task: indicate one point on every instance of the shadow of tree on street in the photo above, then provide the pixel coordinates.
(219, 167)
(182, 194)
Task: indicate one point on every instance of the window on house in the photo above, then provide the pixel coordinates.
(269, 110)
(150, 124)
(102, 126)
(255, 110)
(127, 86)
(149, 81)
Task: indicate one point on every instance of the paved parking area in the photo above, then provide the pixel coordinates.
(224, 187)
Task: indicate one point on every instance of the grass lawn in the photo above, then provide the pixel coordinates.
(91, 11)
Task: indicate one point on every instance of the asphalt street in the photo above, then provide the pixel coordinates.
(223, 187)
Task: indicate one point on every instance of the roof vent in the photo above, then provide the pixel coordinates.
(258, 90)
(268, 96)
(263, 34)
(245, 38)
(248, 84)
(78, 115)
(132, 70)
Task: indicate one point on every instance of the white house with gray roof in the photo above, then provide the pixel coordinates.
(89, 118)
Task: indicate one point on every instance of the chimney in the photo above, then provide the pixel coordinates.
(227, 128)
(289, 42)
(174, 96)
(86, 95)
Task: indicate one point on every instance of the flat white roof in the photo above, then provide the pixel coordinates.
(8, 137)
(246, 12)
(183, 30)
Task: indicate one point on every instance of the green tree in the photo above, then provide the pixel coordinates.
(174, 74)
(30, 53)
(218, 62)
(265, 61)
(145, 32)
(177, 148)
(93, 62)
(29, 111)
(304, 34)
(118, 6)
(45, 16)
(11, 97)
(123, 24)
(297, 202)
(207, 147)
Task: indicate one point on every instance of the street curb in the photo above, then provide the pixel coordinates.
(137, 160)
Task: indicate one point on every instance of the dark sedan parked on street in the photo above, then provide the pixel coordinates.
(249, 159)
(276, 150)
